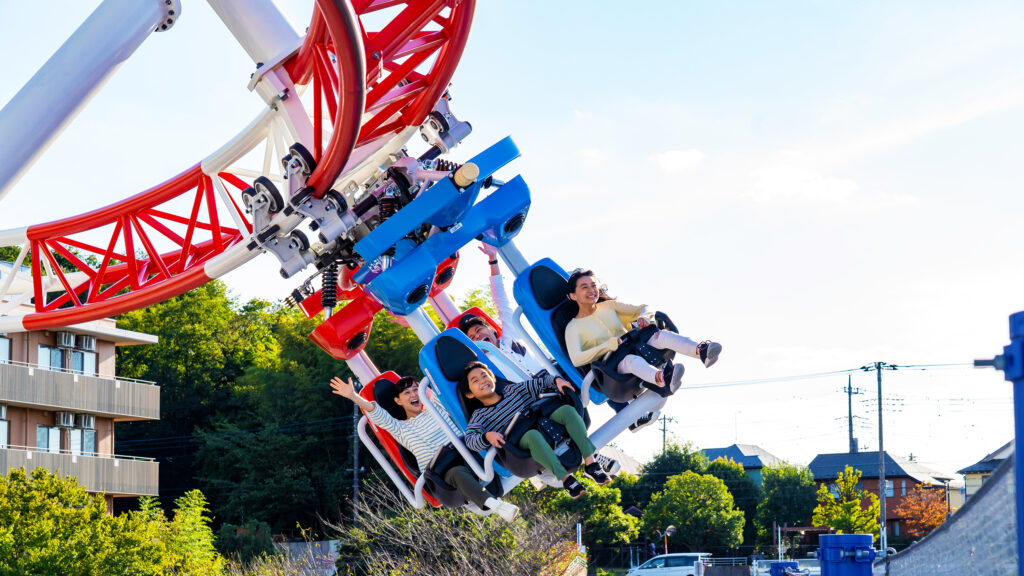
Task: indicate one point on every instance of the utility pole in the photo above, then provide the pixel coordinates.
(849, 408)
(884, 538)
(355, 460)
(664, 431)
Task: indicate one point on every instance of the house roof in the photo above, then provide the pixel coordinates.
(750, 456)
(628, 463)
(828, 466)
(990, 462)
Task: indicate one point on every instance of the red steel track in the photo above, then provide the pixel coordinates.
(369, 82)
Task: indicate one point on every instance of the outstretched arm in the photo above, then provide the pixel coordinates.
(345, 389)
(501, 301)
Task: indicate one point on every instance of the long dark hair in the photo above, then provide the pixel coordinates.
(574, 279)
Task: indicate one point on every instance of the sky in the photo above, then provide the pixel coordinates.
(816, 186)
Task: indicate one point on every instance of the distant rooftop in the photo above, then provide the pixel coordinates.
(749, 455)
(827, 466)
(990, 462)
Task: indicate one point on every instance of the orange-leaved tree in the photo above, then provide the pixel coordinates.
(923, 510)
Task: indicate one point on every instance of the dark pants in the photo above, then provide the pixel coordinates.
(617, 406)
(467, 483)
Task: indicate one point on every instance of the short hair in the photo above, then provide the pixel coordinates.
(470, 320)
(463, 385)
(404, 384)
(574, 278)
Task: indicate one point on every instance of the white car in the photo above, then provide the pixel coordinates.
(669, 565)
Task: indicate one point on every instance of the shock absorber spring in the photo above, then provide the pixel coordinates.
(329, 293)
(387, 206)
(442, 165)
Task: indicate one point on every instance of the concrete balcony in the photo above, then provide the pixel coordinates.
(114, 475)
(117, 398)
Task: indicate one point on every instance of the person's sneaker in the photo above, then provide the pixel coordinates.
(594, 471)
(611, 467)
(645, 420)
(709, 352)
(508, 512)
(674, 373)
(573, 487)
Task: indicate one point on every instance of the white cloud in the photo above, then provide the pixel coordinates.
(591, 155)
(789, 178)
(677, 161)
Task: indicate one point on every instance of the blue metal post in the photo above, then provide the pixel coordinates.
(1012, 364)
(1013, 369)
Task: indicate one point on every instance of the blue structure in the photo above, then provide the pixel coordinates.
(846, 554)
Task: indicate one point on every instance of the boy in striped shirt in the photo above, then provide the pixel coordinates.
(423, 436)
(486, 424)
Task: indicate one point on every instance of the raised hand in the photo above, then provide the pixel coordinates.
(489, 250)
(343, 388)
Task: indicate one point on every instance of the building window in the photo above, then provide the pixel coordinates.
(83, 362)
(51, 358)
(89, 442)
(895, 527)
(75, 441)
(833, 489)
(5, 350)
(889, 489)
(4, 425)
(48, 439)
(903, 487)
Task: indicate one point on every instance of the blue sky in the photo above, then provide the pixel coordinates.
(816, 186)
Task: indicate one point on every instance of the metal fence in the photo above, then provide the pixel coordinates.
(981, 538)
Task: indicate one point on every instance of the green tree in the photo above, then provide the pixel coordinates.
(245, 542)
(701, 509)
(674, 460)
(745, 493)
(600, 511)
(851, 510)
(50, 525)
(789, 497)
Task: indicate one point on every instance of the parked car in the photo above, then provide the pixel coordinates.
(669, 565)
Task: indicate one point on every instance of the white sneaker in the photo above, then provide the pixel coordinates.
(508, 512)
(709, 352)
(677, 377)
(610, 467)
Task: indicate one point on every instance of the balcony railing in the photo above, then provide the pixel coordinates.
(118, 398)
(76, 372)
(112, 474)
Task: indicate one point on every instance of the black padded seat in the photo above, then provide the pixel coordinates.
(549, 288)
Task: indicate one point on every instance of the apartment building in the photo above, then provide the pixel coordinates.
(59, 398)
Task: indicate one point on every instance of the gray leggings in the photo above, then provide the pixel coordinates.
(467, 483)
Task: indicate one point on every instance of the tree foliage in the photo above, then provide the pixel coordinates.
(923, 510)
(745, 493)
(851, 511)
(50, 525)
(674, 460)
(701, 509)
(599, 510)
(789, 497)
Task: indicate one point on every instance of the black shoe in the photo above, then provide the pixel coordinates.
(573, 487)
(596, 473)
(709, 352)
(645, 420)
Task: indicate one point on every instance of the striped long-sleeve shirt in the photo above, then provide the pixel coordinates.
(495, 418)
(422, 434)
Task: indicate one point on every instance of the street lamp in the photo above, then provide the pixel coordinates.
(668, 532)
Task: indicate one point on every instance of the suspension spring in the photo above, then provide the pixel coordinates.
(442, 165)
(387, 206)
(329, 293)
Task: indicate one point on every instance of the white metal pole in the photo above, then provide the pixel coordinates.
(44, 106)
(258, 26)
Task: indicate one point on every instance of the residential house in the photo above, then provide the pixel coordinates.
(976, 474)
(753, 458)
(901, 476)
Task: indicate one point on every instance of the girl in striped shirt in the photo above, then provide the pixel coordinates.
(423, 436)
(485, 425)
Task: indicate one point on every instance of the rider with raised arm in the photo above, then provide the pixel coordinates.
(486, 424)
(479, 330)
(423, 436)
(600, 325)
